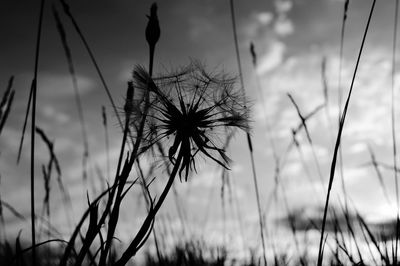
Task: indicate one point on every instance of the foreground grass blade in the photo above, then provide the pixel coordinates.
(33, 128)
(393, 125)
(337, 144)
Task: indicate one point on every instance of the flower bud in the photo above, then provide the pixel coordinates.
(153, 27)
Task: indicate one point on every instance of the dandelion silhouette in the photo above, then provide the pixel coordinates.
(188, 112)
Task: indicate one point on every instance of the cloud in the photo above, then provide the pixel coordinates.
(272, 58)
(283, 26)
(200, 27)
(59, 86)
(51, 113)
(257, 26)
(264, 18)
(283, 6)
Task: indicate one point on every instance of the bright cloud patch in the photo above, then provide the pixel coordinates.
(60, 86)
(272, 58)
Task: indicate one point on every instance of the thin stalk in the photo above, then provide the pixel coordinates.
(147, 224)
(71, 68)
(393, 125)
(33, 128)
(337, 144)
(340, 96)
(21, 141)
(291, 219)
(6, 103)
(121, 179)
(152, 35)
(107, 141)
(309, 139)
(89, 50)
(260, 219)
(249, 142)
(179, 208)
(148, 205)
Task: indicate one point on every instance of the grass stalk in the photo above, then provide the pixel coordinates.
(337, 144)
(67, 11)
(6, 103)
(249, 142)
(71, 68)
(148, 205)
(146, 227)
(152, 36)
(114, 216)
(379, 175)
(393, 127)
(107, 140)
(340, 95)
(33, 128)
(21, 142)
(308, 135)
(179, 208)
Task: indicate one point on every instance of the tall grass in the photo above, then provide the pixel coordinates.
(71, 68)
(249, 140)
(33, 128)
(338, 139)
(178, 131)
(393, 125)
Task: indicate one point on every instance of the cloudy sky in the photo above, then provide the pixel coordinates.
(292, 39)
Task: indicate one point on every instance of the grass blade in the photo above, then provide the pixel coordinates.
(393, 126)
(92, 57)
(249, 142)
(337, 144)
(68, 54)
(21, 142)
(6, 103)
(33, 127)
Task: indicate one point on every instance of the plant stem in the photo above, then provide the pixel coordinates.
(112, 224)
(337, 144)
(147, 224)
(232, 9)
(393, 124)
(93, 59)
(33, 127)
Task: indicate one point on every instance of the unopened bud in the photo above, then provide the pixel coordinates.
(153, 27)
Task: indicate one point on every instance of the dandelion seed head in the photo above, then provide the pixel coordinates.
(189, 112)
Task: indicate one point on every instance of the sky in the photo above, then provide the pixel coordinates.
(292, 39)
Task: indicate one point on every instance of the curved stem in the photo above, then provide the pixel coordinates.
(121, 179)
(339, 135)
(146, 226)
(33, 127)
(393, 124)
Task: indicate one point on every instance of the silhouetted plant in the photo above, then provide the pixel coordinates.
(188, 113)
(184, 112)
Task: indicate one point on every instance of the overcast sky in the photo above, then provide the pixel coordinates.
(291, 39)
